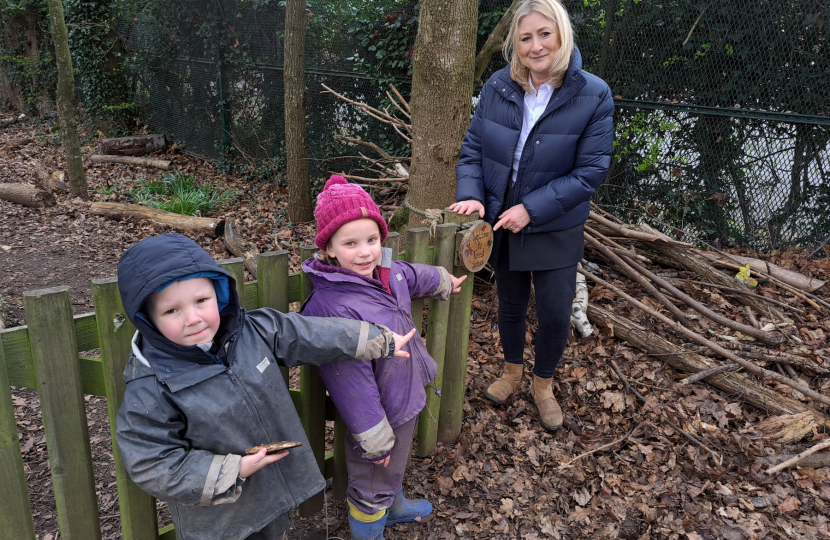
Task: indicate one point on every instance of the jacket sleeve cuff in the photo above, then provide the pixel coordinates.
(444, 289)
(377, 441)
(223, 484)
(375, 347)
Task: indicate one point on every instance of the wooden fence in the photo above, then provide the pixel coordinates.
(45, 355)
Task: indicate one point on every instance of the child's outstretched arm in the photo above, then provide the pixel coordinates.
(426, 281)
(298, 340)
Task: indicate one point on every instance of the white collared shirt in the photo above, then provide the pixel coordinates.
(535, 105)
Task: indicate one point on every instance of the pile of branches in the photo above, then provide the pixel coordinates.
(733, 330)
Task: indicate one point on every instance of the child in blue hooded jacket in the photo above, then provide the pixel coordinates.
(203, 385)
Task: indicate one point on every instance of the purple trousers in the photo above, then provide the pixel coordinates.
(373, 487)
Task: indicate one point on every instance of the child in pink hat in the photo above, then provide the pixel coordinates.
(355, 277)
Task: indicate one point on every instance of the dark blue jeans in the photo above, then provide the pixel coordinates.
(555, 291)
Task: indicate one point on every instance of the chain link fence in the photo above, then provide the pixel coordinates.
(723, 130)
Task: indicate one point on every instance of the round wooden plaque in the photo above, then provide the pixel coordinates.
(476, 245)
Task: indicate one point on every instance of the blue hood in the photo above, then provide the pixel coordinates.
(154, 263)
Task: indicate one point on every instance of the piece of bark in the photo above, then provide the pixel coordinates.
(213, 227)
(6, 122)
(137, 145)
(237, 245)
(794, 279)
(129, 160)
(814, 461)
(26, 194)
(732, 384)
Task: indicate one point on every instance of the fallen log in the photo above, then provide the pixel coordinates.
(129, 160)
(794, 279)
(796, 459)
(25, 194)
(6, 122)
(746, 364)
(237, 245)
(213, 227)
(19, 142)
(137, 145)
(738, 384)
(814, 461)
(687, 259)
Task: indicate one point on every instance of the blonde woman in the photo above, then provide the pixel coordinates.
(537, 148)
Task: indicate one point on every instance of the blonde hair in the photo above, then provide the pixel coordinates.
(556, 14)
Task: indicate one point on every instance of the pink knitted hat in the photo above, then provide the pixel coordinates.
(341, 202)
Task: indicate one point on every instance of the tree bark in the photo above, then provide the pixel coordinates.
(130, 160)
(442, 90)
(296, 138)
(134, 213)
(739, 384)
(138, 145)
(25, 194)
(66, 101)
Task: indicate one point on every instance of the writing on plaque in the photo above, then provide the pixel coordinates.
(476, 245)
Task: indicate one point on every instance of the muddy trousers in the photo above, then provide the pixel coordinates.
(555, 291)
(274, 530)
(373, 487)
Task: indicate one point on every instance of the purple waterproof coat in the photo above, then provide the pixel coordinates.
(375, 397)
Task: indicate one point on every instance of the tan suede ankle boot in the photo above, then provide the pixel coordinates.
(500, 390)
(549, 412)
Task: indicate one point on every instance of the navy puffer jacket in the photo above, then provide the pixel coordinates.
(565, 158)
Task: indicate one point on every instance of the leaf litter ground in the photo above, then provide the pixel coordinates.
(505, 478)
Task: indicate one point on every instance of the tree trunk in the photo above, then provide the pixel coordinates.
(442, 90)
(138, 145)
(66, 101)
(296, 138)
(134, 213)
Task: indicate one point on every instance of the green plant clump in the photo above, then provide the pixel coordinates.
(181, 194)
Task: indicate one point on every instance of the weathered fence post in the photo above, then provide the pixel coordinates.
(393, 242)
(236, 267)
(55, 353)
(16, 515)
(115, 333)
(417, 251)
(313, 401)
(272, 285)
(453, 387)
(444, 254)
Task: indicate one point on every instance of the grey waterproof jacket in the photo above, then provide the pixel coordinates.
(188, 415)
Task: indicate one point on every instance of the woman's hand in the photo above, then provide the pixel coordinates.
(456, 283)
(400, 341)
(468, 207)
(514, 220)
(251, 464)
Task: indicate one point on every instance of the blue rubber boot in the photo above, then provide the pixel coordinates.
(372, 530)
(404, 510)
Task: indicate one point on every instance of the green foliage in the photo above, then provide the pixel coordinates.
(31, 71)
(180, 193)
(97, 57)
